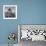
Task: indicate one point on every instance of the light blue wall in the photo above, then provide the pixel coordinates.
(34, 12)
(28, 12)
(7, 26)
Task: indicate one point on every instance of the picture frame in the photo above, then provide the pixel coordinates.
(36, 32)
(9, 11)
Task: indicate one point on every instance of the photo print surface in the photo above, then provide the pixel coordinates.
(9, 11)
(33, 32)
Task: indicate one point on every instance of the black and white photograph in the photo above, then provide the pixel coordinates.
(9, 11)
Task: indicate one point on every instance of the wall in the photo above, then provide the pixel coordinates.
(29, 12)
(7, 26)
(34, 12)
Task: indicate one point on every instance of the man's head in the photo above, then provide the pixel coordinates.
(9, 10)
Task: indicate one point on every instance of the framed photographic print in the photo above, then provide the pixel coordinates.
(9, 11)
(31, 32)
